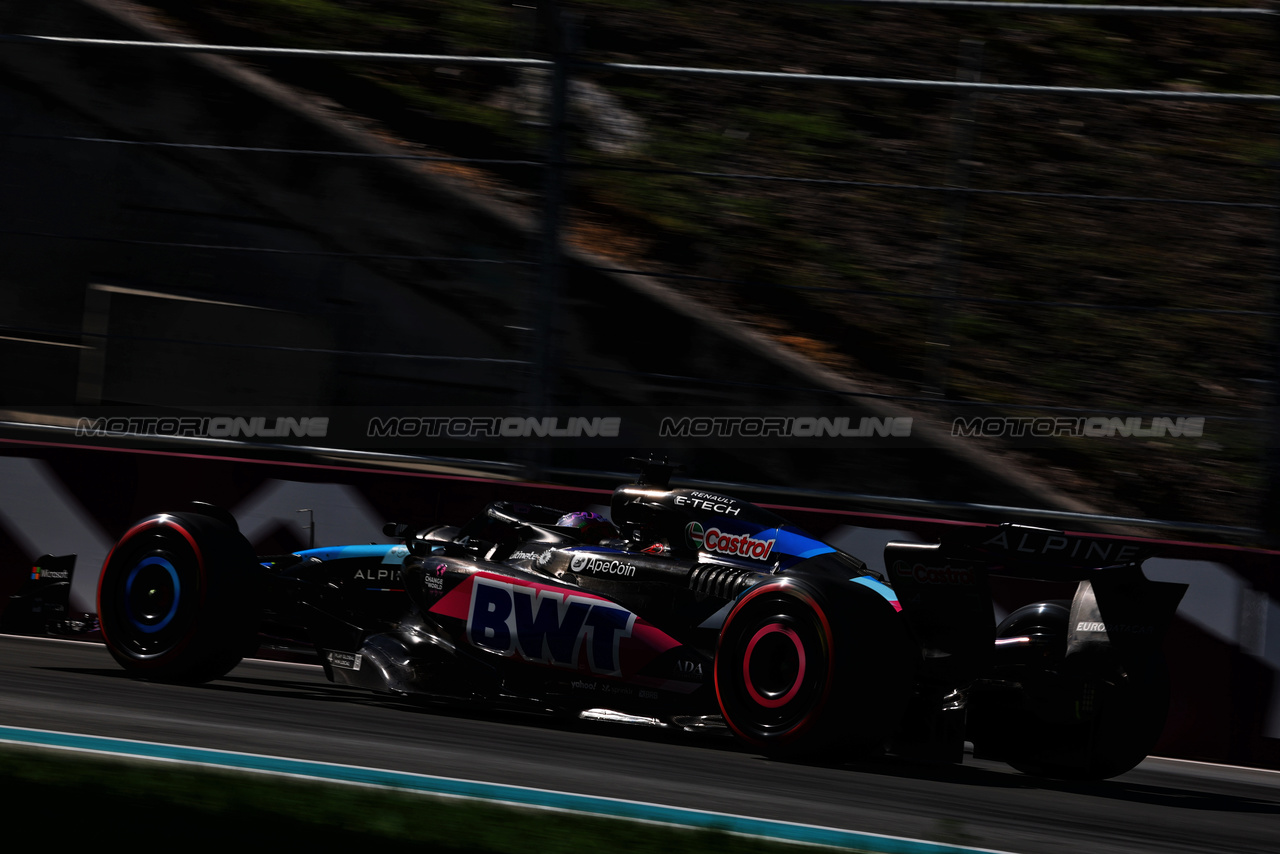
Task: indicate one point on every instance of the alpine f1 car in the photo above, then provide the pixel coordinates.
(683, 604)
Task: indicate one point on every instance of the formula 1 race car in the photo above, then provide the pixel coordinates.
(682, 605)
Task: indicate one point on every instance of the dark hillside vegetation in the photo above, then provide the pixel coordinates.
(1049, 300)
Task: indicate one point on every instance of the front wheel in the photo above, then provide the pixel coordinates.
(177, 599)
(803, 668)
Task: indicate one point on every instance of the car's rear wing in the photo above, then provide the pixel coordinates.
(1043, 553)
(945, 593)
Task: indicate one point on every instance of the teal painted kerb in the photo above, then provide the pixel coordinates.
(777, 830)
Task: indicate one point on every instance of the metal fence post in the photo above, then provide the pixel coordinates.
(552, 256)
(964, 123)
(554, 27)
(94, 337)
(1269, 507)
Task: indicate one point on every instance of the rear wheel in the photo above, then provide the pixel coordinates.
(1076, 718)
(793, 678)
(177, 599)
(1088, 724)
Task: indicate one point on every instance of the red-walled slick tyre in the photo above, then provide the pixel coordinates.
(178, 598)
(803, 668)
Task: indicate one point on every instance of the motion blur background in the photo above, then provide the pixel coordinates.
(192, 232)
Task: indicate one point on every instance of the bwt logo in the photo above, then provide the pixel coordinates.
(546, 626)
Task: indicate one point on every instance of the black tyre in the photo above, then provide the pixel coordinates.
(178, 598)
(803, 669)
(1083, 717)
(1094, 728)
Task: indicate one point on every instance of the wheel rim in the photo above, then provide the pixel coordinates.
(773, 667)
(148, 612)
(151, 594)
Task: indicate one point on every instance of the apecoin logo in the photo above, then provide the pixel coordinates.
(601, 565)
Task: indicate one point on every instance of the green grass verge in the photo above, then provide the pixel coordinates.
(205, 810)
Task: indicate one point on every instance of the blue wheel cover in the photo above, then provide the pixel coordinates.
(154, 560)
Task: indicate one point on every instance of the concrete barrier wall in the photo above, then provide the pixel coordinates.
(1224, 646)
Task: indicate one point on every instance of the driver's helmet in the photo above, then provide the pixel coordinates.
(591, 527)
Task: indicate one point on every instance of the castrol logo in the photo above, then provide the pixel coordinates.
(738, 545)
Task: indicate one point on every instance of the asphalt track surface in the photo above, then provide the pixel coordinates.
(291, 711)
